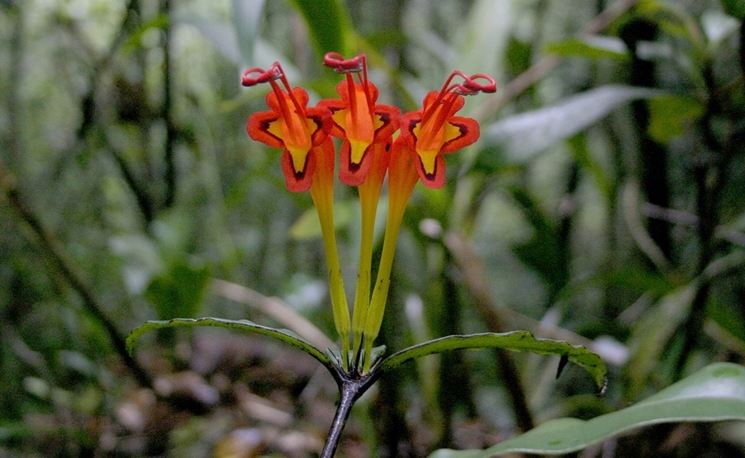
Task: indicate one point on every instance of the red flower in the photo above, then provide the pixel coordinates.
(357, 119)
(435, 130)
(289, 125)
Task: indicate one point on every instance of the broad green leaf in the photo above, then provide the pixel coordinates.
(715, 393)
(671, 115)
(524, 135)
(591, 47)
(515, 341)
(283, 335)
(328, 24)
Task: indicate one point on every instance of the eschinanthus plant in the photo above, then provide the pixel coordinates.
(376, 141)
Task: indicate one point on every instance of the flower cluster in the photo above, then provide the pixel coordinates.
(376, 140)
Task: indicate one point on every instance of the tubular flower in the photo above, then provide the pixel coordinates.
(435, 130)
(289, 125)
(357, 119)
(370, 151)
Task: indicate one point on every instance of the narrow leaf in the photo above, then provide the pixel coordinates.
(591, 47)
(283, 335)
(516, 341)
(715, 393)
(526, 134)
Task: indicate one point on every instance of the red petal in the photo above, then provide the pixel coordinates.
(298, 181)
(353, 174)
(408, 123)
(469, 133)
(258, 128)
(436, 179)
(321, 116)
(390, 116)
(333, 106)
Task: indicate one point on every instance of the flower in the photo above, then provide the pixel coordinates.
(435, 130)
(289, 125)
(308, 164)
(369, 152)
(356, 118)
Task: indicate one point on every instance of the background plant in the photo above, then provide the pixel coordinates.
(590, 211)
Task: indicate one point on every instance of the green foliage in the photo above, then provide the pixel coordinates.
(715, 393)
(516, 341)
(246, 326)
(672, 115)
(524, 135)
(179, 291)
(601, 206)
(591, 47)
(735, 8)
(328, 24)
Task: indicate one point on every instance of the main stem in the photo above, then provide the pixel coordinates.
(351, 387)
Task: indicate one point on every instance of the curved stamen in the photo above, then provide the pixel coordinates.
(471, 85)
(257, 75)
(358, 65)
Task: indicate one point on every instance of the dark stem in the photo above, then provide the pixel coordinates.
(88, 111)
(143, 201)
(52, 250)
(710, 176)
(351, 387)
(167, 109)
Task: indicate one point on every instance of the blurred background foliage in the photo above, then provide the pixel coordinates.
(603, 205)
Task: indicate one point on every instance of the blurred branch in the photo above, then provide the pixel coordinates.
(167, 107)
(474, 279)
(630, 203)
(55, 254)
(547, 63)
(275, 309)
(710, 174)
(88, 110)
(15, 77)
(685, 218)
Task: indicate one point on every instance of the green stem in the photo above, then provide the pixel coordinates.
(323, 199)
(368, 205)
(382, 282)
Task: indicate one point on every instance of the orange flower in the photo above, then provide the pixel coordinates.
(289, 125)
(435, 130)
(356, 118)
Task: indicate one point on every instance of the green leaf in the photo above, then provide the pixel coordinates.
(515, 341)
(735, 8)
(524, 135)
(591, 47)
(715, 393)
(671, 115)
(328, 24)
(283, 335)
(180, 290)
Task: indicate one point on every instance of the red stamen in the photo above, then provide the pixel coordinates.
(469, 86)
(357, 64)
